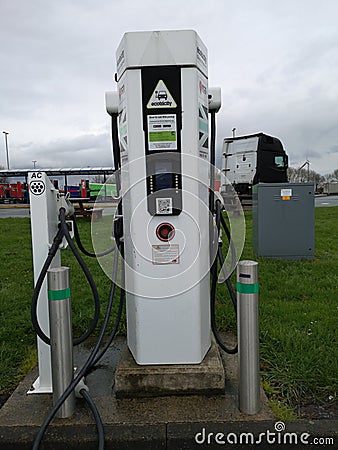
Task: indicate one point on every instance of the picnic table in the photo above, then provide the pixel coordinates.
(82, 209)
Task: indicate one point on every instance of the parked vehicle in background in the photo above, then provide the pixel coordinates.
(13, 192)
(252, 159)
(330, 188)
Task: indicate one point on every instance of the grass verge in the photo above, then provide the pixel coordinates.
(298, 308)
(298, 319)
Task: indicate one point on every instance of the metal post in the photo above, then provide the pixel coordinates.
(105, 187)
(6, 143)
(248, 337)
(61, 340)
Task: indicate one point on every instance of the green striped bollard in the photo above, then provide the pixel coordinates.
(61, 338)
(248, 337)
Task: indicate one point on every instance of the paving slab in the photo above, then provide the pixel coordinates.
(133, 380)
(169, 422)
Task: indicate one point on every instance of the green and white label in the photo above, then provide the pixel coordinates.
(162, 132)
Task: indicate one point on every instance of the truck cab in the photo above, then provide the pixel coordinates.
(252, 159)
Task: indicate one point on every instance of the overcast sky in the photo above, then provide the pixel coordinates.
(276, 62)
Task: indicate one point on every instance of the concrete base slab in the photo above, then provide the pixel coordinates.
(133, 380)
(171, 422)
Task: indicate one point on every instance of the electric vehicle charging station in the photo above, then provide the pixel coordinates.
(163, 109)
(171, 217)
(163, 104)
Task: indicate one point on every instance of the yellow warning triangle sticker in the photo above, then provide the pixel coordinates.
(161, 97)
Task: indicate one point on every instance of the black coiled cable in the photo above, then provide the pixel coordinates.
(81, 247)
(51, 253)
(111, 294)
(63, 232)
(214, 277)
(87, 365)
(97, 417)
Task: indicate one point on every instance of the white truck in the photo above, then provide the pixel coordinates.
(330, 188)
(251, 159)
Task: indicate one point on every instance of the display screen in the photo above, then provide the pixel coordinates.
(163, 175)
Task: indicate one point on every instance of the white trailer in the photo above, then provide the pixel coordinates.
(331, 188)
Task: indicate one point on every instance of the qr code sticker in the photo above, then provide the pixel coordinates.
(164, 206)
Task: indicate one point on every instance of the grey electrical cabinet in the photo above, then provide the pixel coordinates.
(283, 220)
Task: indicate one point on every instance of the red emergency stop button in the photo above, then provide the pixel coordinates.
(165, 231)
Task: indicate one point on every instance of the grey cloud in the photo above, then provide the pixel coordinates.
(58, 58)
(310, 153)
(80, 151)
(313, 154)
(333, 149)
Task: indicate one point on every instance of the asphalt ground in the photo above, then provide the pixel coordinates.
(23, 210)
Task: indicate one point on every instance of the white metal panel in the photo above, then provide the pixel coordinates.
(150, 48)
(240, 160)
(168, 311)
(44, 220)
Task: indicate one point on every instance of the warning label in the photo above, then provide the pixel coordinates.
(162, 132)
(161, 97)
(166, 254)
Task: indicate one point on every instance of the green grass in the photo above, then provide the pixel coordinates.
(298, 312)
(298, 318)
(17, 339)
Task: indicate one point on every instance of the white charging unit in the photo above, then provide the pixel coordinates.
(44, 226)
(163, 128)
